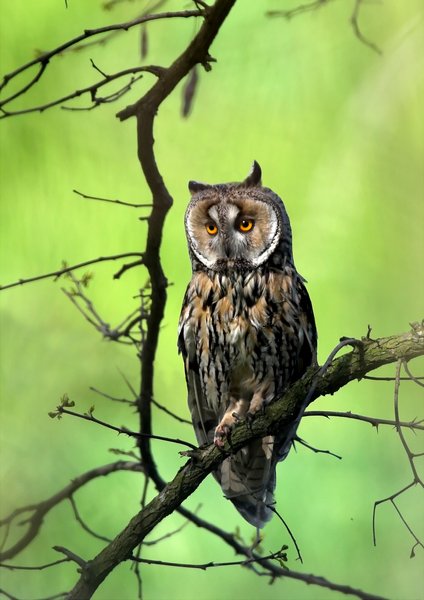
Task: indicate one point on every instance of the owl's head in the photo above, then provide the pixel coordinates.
(233, 226)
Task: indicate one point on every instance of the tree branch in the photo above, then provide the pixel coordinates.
(38, 511)
(369, 355)
(67, 269)
(45, 57)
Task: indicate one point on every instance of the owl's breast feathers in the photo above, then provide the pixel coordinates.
(241, 331)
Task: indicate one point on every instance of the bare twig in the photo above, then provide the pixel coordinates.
(61, 410)
(85, 306)
(374, 378)
(126, 267)
(90, 90)
(83, 524)
(120, 202)
(402, 518)
(170, 413)
(408, 452)
(209, 565)
(33, 568)
(316, 450)
(71, 555)
(410, 455)
(316, 5)
(54, 597)
(374, 421)
(45, 58)
(298, 10)
(68, 269)
(289, 531)
(113, 398)
(354, 20)
(37, 512)
(279, 572)
(411, 377)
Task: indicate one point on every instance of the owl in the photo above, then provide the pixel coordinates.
(246, 330)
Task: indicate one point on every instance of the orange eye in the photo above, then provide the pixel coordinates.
(246, 225)
(211, 228)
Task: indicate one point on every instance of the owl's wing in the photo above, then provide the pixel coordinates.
(306, 356)
(203, 418)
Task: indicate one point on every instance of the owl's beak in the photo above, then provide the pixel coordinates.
(226, 246)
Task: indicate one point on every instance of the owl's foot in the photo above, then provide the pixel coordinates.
(249, 419)
(222, 433)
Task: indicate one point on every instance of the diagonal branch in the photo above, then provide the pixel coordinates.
(279, 416)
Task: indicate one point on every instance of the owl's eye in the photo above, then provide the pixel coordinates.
(211, 228)
(245, 225)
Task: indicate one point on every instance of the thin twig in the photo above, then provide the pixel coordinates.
(71, 555)
(382, 501)
(54, 597)
(293, 539)
(298, 10)
(354, 20)
(122, 430)
(316, 450)
(402, 518)
(32, 568)
(38, 511)
(411, 377)
(209, 565)
(90, 89)
(88, 33)
(83, 524)
(409, 454)
(109, 397)
(374, 421)
(371, 378)
(170, 413)
(120, 202)
(68, 269)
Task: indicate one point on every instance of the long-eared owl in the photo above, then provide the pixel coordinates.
(246, 330)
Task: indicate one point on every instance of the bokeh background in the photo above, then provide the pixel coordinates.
(338, 131)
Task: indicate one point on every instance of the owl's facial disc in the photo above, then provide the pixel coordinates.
(230, 233)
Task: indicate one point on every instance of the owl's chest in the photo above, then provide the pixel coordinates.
(230, 316)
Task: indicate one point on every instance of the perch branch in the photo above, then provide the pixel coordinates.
(278, 416)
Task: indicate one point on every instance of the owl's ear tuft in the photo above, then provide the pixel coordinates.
(197, 186)
(254, 177)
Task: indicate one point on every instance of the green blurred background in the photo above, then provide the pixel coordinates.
(338, 131)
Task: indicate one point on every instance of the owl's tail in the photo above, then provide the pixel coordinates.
(247, 479)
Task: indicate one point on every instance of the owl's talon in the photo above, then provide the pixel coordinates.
(249, 419)
(222, 433)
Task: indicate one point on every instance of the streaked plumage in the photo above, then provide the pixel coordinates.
(246, 330)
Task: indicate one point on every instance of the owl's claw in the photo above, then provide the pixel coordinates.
(222, 432)
(249, 419)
